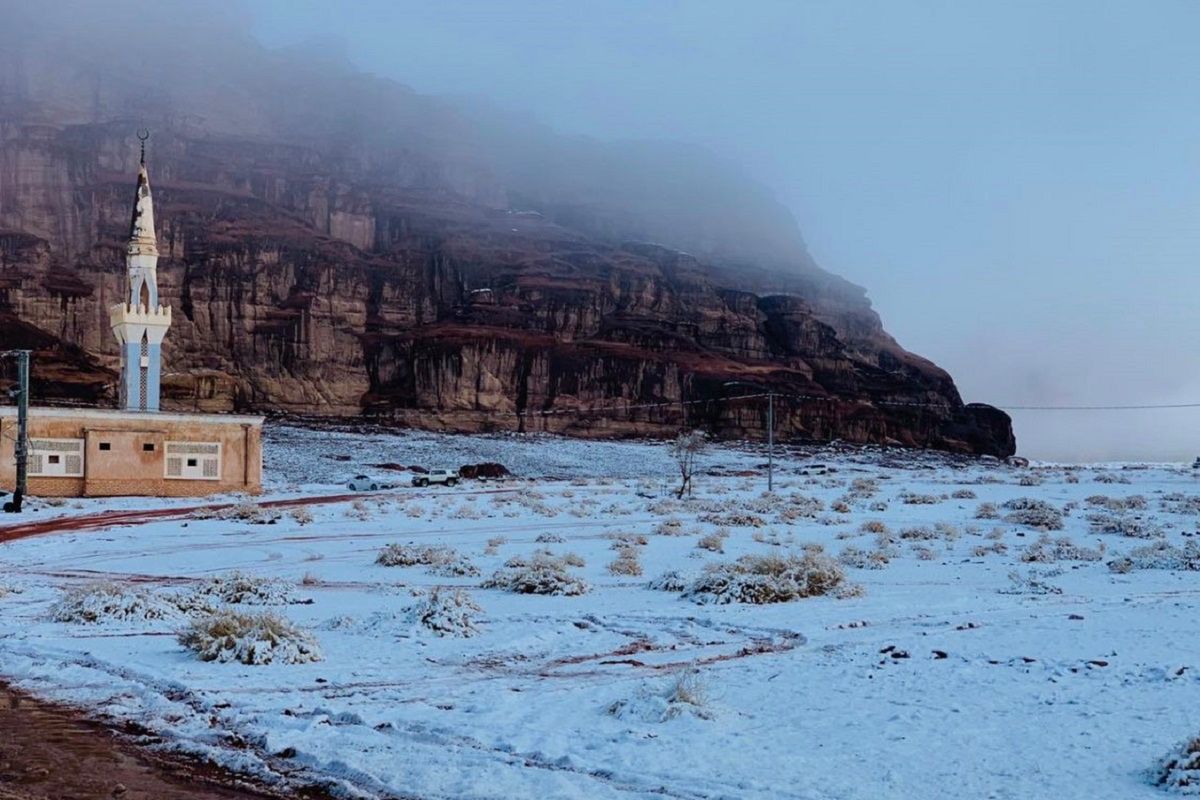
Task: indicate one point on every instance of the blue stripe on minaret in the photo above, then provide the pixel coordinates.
(131, 375)
(152, 376)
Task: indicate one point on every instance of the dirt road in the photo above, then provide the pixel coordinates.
(48, 752)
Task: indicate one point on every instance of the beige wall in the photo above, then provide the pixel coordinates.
(126, 467)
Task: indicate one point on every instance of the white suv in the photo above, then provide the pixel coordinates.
(446, 476)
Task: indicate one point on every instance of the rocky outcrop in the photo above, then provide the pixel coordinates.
(338, 245)
(299, 291)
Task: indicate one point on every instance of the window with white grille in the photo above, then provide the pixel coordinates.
(56, 458)
(195, 461)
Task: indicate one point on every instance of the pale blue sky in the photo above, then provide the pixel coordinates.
(1017, 184)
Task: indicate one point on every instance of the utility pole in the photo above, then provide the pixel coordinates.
(770, 429)
(21, 450)
(770, 441)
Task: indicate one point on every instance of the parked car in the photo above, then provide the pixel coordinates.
(1196, 463)
(447, 476)
(365, 483)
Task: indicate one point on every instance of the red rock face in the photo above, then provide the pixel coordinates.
(303, 283)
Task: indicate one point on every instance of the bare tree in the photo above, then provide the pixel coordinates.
(686, 450)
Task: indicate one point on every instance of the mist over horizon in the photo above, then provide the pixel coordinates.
(1016, 188)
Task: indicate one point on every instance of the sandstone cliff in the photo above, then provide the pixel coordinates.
(438, 282)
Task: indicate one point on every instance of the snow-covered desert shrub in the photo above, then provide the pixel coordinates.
(671, 527)
(862, 488)
(1179, 503)
(987, 511)
(840, 507)
(734, 519)
(238, 587)
(767, 579)
(447, 613)
(251, 513)
(623, 540)
(250, 639)
(1029, 480)
(918, 533)
(873, 526)
(670, 581)
(995, 548)
(1180, 771)
(863, 559)
(1160, 555)
(626, 563)
(1047, 551)
(539, 574)
(301, 515)
(1034, 513)
(686, 693)
(1134, 502)
(924, 553)
(105, 601)
(444, 561)
(963, 494)
(1109, 477)
(803, 505)
(1033, 582)
(714, 542)
(1123, 525)
(878, 506)
(549, 538)
(917, 499)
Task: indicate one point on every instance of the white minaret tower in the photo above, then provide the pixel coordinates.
(140, 323)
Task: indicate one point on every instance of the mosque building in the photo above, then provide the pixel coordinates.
(135, 449)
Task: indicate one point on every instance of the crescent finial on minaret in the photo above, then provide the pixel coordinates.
(143, 134)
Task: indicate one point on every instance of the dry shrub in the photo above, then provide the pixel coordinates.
(963, 494)
(670, 581)
(995, 548)
(1108, 477)
(1122, 525)
(686, 693)
(447, 613)
(549, 538)
(671, 527)
(540, 574)
(873, 526)
(918, 533)
(309, 579)
(622, 540)
(237, 587)
(1160, 555)
(863, 487)
(1179, 503)
(840, 507)
(863, 559)
(301, 515)
(987, 511)
(924, 553)
(917, 499)
(734, 519)
(1047, 551)
(250, 639)
(714, 542)
(1034, 513)
(1134, 502)
(1180, 770)
(626, 562)
(359, 510)
(1034, 582)
(878, 507)
(1029, 480)
(105, 601)
(445, 561)
(767, 579)
(251, 513)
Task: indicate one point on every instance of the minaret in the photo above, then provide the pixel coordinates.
(140, 323)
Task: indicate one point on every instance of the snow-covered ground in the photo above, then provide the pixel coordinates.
(945, 677)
